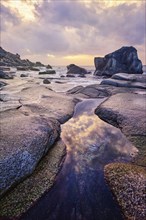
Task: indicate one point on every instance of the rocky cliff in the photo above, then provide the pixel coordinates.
(10, 59)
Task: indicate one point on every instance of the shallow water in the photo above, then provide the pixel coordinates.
(58, 83)
(80, 191)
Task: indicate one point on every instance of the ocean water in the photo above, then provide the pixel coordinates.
(59, 83)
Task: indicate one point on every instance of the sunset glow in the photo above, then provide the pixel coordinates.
(71, 31)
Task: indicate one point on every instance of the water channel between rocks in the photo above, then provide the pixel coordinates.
(80, 191)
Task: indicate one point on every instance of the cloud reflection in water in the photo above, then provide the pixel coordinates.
(90, 140)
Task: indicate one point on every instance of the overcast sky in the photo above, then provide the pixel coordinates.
(60, 32)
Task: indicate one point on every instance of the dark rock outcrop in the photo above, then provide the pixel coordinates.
(22, 68)
(49, 66)
(10, 59)
(48, 71)
(2, 84)
(4, 75)
(37, 64)
(74, 69)
(34, 69)
(70, 75)
(124, 60)
(24, 75)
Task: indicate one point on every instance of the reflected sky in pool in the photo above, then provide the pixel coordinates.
(80, 191)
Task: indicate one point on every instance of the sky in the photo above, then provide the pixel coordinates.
(61, 32)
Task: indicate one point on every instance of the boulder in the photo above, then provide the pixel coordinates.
(125, 111)
(4, 75)
(46, 81)
(48, 71)
(124, 60)
(49, 66)
(74, 69)
(24, 75)
(24, 141)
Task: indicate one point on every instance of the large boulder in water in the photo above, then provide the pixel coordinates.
(124, 60)
(74, 69)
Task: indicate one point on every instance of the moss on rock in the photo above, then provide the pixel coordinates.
(22, 197)
(128, 182)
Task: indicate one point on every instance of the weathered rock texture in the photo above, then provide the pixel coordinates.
(124, 60)
(128, 185)
(23, 196)
(24, 141)
(30, 124)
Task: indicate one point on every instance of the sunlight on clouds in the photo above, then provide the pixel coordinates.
(109, 3)
(80, 58)
(50, 55)
(25, 9)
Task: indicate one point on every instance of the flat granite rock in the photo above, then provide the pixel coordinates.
(125, 110)
(24, 141)
(124, 83)
(30, 124)
(130, 77)
(91, 91)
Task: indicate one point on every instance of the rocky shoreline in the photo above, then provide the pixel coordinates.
(31, 115)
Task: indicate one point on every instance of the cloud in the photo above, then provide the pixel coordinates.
(72, 28)
(7, 18)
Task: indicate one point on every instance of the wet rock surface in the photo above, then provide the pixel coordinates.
(124, 60)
